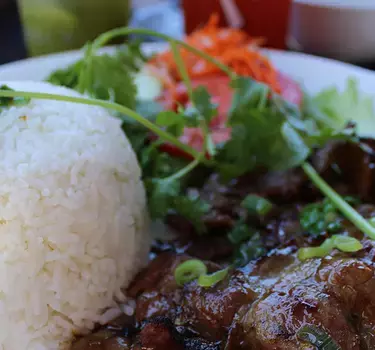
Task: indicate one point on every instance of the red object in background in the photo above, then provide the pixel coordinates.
(265, 18)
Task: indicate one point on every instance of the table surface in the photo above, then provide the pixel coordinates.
(12, 46)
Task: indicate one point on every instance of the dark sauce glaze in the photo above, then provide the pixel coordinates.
(264, 304)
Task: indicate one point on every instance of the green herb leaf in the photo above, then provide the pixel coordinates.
(240, 232)
(261, 133)
(131, 55)
(248, 94)
(337, 109)
(346, 210)
(207, 281)
(192, 209)
(326, 135)
(174, 122)
(12, 101)
(67, 77)
(189, 271)
(317, 218)
(161, 195)
(202, 102)
(107, 78)
(256, 204)
(251, 249)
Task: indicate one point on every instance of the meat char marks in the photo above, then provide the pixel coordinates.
(275, 302)
(265, 304)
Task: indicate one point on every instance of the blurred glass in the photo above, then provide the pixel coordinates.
(59, 25)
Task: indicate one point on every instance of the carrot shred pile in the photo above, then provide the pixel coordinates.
(231, 46)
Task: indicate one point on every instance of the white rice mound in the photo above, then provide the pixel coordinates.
(73, 221)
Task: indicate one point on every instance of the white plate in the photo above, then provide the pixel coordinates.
(314, 72)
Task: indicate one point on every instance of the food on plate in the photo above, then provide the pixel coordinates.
(266, 202)
(234, 48)
(73, 221)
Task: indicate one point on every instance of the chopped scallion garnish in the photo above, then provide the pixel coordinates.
(189, 271)
(240, 232)
(316, 252)
(210, 280)
(195, 269)
(347, 244)
(343, 243)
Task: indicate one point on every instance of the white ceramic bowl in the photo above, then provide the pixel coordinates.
(340, 29)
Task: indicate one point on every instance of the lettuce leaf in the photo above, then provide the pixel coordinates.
(337, 109)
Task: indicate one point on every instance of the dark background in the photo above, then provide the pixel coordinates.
(11, 41)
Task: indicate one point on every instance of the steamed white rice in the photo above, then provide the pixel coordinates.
(73, 223)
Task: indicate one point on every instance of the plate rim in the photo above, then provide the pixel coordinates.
(159, 47)
(324, 72)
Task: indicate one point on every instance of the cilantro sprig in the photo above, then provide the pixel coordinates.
(12, 101)
(266, 130)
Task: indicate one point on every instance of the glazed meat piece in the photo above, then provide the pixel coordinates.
(265, 304)
(274, 320)
(349, 167)
(270, 301)
(158, 334)
(335, 294)
(116, 335)
(208, 312)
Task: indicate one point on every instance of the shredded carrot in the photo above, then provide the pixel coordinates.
(231, 46)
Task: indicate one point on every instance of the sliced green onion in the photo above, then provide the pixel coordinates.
(316, 252)
(317, 337)
(347, 244)
(343, 243)
(210, 280)
(256, 204)
(189, 271)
